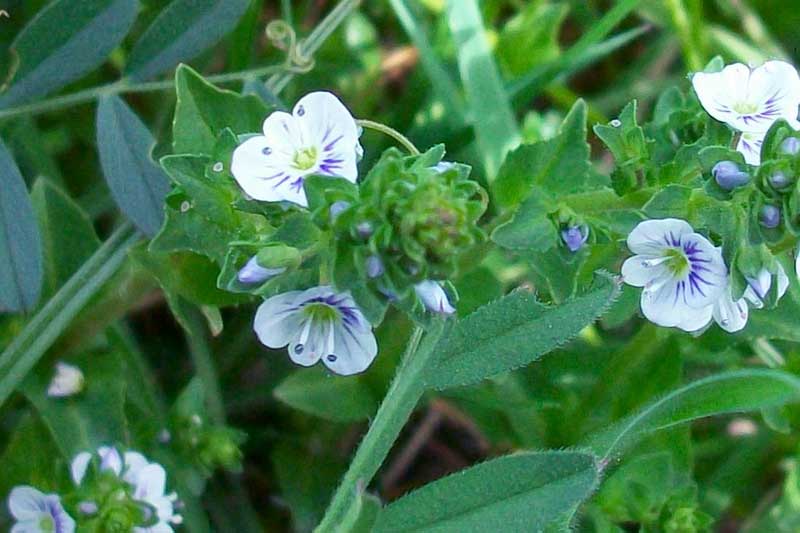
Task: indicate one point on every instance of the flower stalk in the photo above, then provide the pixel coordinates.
(391, 132)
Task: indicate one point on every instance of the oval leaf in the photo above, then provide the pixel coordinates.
(318, 393)
(182, 31)
(730, 392)
(64, 41)
(21, 268)
(520, 492)
(136, 182)
(512, 332)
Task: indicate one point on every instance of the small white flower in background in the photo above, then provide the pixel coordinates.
(318, 323)
(681, 272)
(320, 136)
(147, 481)
(36, 512)
(68, 380)
(750, 100)
(433, 297)
(758, 287)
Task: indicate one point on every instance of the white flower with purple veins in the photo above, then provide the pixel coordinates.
(759, 286)
(750, 100)
(147, 481)
(320, 136)
(681, 272)
(729, 314)
(318, 323)
(433, 297)
(36, 512)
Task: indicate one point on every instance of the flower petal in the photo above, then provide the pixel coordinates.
(775, 85)
(665, 306)
(708, 275)
(151, 483)
(696, 321)
(651, 236)
(731, 316)
(750, 147)
(433, 297)
(266, 173)
(635, 273)
(354, 350)
(276, 320)
(328, 125)
(26, 503)
(719, 92)
(110, 459)
(79, 465)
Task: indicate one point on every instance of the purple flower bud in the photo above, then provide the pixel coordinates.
(729, 176)
(374, 266)
(790, 146)
(433, 297)
(252, 272)
(575, 237)
(337, 208)
(770, 216)
(779, 181)
(88, 507)
(364, 229)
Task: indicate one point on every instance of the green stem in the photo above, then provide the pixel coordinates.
(391, 132)
(683, 28)
(197, 338)
(397, 406)
(54, 318)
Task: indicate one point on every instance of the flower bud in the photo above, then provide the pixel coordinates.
(575, 237)
(88, 507)
(279, 256)
(779, 181)
(252, 272)
(337, 208)
(770, 216)
(67, 381)
(790, 146)
(433, 297)
(728, 175)
(364, 230)
(374, 266)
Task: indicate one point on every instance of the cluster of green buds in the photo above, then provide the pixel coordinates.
(779, 204)
(410, 221)
(105, 502)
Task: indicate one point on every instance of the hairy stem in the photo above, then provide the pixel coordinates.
(397, 406)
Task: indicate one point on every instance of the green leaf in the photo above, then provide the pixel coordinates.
(203, 111)
(21, 267)
(496, 128)
(90, 419)
(319, 393)
(520, 492)
(625, 138)
(530, 228)
(729, 392)
(530, 38)
(512, 332)
(557, 165)
(67, 39)
(184, 29)
(670, 202)
(32, 458)
(136, 182)
(67, 233)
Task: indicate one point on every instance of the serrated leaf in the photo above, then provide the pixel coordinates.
(68, 236)
(520, 492)
(530, 228)
(729, 392)
(137, 184)
(317, 392)
(184, 29)
(21, 267)
(67, 39)
(203, 111)
(557, 165)
(512, 332)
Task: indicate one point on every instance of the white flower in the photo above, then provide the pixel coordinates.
(318, 323)
(750, 143)
(320, 136)
(433, 297)
(750, 100)
(729, 314)
(36, 512)
(67, 381)
(147, 481)
(682, 273)
(758, 287)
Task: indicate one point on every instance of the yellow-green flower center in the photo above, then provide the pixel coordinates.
(745, 108)
(321, 311)
(677, 262)
(46, 524)
(305, 158)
